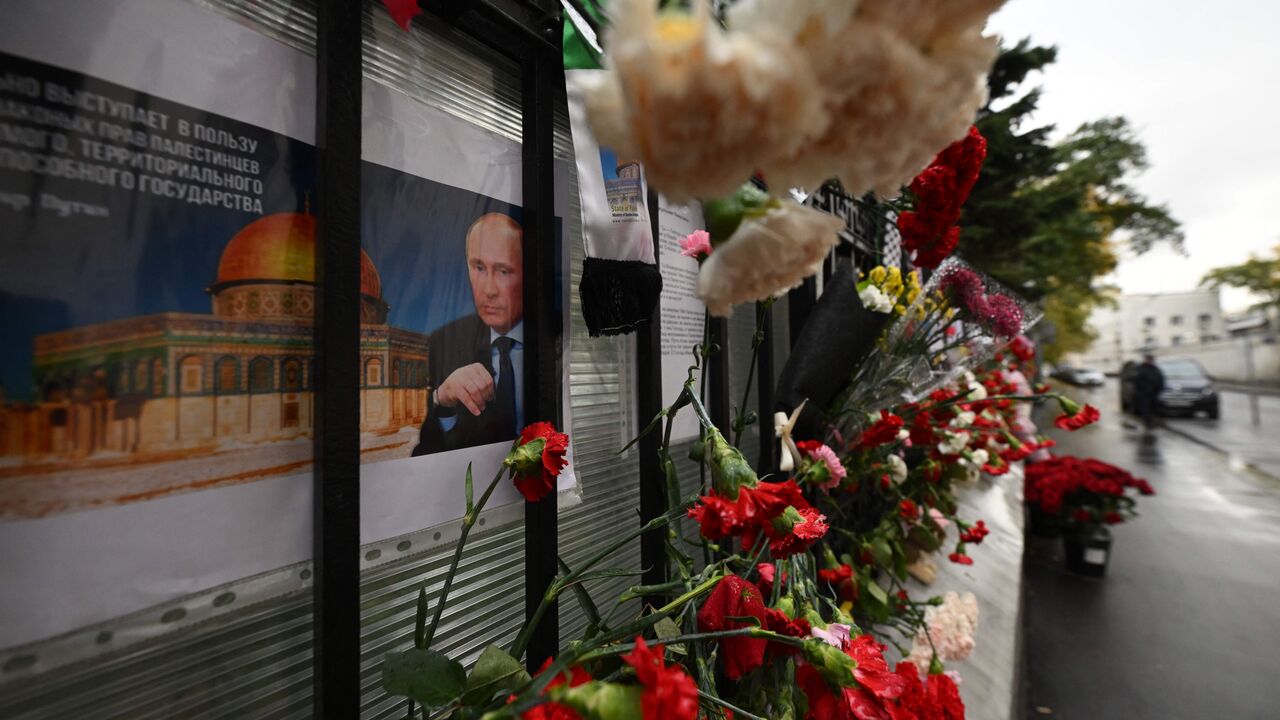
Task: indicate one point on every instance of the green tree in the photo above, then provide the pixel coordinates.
(1260, 276)
(1047, 218)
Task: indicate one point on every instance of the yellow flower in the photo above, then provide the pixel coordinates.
(877, 274)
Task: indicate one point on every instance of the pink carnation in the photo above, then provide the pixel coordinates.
(696, 244)
(828, 457)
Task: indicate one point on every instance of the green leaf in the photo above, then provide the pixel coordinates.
(667, 628)
(420, 620)
(427, 676)
(881, 551)
(877, 592)
(470, 491)
(495, 671)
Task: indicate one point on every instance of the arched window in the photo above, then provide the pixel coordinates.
(396, 379)
(291, 375)
(226, 375)
(157, 378)
(261, 375)
(191, 375)
(373, 372)
(422, 380)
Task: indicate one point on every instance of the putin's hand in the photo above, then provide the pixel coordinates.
(471, 385)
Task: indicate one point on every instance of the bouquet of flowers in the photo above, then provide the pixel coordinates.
(955, 321)
(1081, 496)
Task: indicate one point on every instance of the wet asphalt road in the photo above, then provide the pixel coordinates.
(1187, 622)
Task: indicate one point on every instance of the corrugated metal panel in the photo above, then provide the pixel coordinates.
(256, 663)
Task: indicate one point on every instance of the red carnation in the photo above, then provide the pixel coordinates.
(737, 598)
(944, 697)
(1022, 348)
(841, 578)
(883, 431)
(1111, 517)
(976, 533)
(937, 698)
(1085, 416)
(751, 514)
(823, 703)
(538, 459)
(940, 192)
(556, 711)
(794, 531)
(960, 558)
(768, 575)
(718, 517)
(873, 672)
(778, 622)
(908, 510)
(669, 692)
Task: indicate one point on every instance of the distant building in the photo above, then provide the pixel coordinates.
(176, 381)
(1159, 322)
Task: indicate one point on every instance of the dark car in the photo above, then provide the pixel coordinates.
(1187, 388)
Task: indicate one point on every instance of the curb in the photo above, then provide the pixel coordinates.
(1205, 443)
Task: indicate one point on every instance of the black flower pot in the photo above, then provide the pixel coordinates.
(1087, 554)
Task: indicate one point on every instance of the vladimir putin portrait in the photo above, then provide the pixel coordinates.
(477, 361)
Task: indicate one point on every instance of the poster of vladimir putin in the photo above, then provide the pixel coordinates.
(477, 361)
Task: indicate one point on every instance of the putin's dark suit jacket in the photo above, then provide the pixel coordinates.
(460, 343)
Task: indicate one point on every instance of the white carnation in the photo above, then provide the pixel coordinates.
(873, 298)
(700, 108)
(802, 90)
(953, 443)
(978, 459)
(963, 419)
(897, 468)
(767, 256)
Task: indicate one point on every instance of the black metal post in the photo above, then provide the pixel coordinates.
(764, 390)
(718, 401)
(336, 478)
(800, 303)
(653, 554)
(543, 79)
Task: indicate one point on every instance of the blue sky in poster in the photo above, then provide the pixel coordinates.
(608, 164)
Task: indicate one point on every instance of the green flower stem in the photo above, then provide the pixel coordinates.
(468, 521)
(762, 311)
(737, 711)
(755, 632)
(704, 587)
(553, 592)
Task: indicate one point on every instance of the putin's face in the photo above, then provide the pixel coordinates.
(495, 267)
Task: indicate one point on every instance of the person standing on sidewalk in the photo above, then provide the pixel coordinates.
(1147, 384)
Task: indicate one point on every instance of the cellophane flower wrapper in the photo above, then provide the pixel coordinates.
(960, 319)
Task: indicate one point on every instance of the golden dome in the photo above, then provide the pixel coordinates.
(282, 248)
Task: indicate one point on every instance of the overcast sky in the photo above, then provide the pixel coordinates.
(1201, 83)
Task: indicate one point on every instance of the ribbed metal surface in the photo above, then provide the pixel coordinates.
(256, 663)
